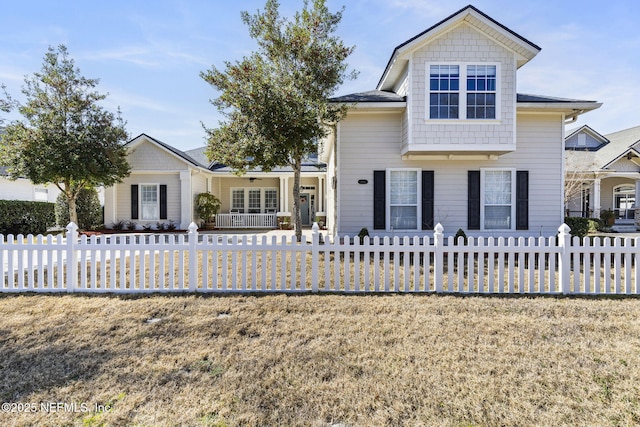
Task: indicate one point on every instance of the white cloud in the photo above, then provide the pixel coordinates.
(425, 8)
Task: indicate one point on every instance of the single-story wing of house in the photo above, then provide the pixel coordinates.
(164, 182)
(446, 138)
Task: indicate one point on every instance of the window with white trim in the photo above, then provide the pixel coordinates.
(270, 200)
(403, 190)
(498, 191)
(254, 200)
(477, 98)
(149, 202)
(444, 95)
(481, 91)
(41, 195)
(237, 200)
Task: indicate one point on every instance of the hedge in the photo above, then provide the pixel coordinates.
(24, 217)
(582, 226)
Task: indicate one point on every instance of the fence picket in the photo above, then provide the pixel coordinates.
(627, 266)
(617, 266)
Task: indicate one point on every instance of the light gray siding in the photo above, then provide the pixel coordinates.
(123, 196)
(463, 44)
(147, 156)
(370, 142)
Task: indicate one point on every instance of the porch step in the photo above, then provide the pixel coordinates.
(624, 228)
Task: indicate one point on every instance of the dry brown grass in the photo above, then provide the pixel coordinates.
(320, 360)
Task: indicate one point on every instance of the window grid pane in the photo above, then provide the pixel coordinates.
(404, 187)
(403, 200)
(481, 91)
(444, 84)
(254, 201)
(149, 202)
(271, 200)
(237, 200)
(497, 200)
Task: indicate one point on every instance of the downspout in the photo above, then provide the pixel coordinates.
(334, 180)
(573, 117)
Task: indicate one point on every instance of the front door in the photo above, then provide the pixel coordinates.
(304, 208)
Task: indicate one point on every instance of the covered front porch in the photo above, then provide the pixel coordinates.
(264, 200)
(612, 197)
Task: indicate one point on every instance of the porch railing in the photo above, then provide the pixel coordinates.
(241, 220)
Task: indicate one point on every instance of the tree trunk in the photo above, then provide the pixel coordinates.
(296, 198)
(73, 214)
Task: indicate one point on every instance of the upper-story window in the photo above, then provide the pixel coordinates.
(477, 99)
(444, 95)
(481, 91)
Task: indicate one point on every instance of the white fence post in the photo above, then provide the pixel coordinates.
(72, 257)
(438, 237)
(193, 257)
(564, 258)
(315, 254)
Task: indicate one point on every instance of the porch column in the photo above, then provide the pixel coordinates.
(320, 194)
(110, 204)
(284, 194)
(186, 199)
(596, 198)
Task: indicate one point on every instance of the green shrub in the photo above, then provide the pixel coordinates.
(87, 207)
(24, 217)
(595, 225)
(579, 226)
(362, 234)
(460, 233)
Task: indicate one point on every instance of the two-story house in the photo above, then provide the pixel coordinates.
(445, 138)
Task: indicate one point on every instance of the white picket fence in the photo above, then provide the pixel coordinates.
(193, 262)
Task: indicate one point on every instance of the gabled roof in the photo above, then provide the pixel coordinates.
(586, 129)
(198, 158)
(181, 154)
(523, 48)
(620, 144)
(199, 155)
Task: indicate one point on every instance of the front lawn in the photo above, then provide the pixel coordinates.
(319, 360)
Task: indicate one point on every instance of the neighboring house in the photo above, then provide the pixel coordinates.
(603, 173)
(164, 182)
(24, 189)
(445, 138)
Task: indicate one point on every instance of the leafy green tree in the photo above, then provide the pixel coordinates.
(66, 137)
(87, 207)
(5, 103)
(276, 101)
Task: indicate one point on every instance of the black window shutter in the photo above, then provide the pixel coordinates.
(379, 201)
(427, 200)
(134, 202)
(163, 201)
(522, 200)
(473, 206)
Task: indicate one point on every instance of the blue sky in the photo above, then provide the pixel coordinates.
(148, 55)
